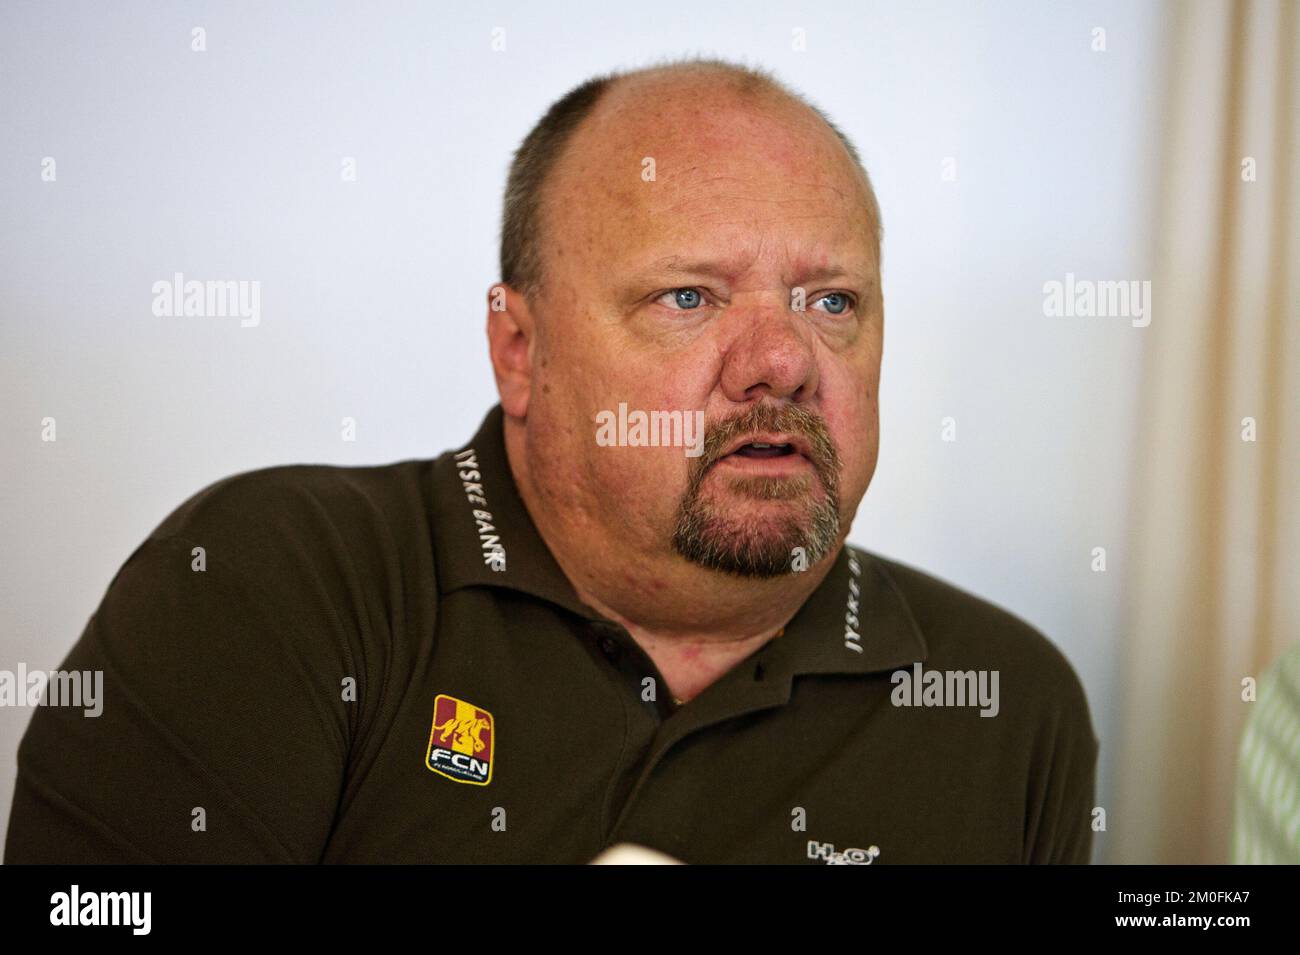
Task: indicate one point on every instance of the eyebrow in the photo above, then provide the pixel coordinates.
(676, 265)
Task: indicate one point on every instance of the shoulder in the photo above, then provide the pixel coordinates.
(263, 492)
(963, 631)
(266, 520)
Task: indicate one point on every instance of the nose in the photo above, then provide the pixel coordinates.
(770, 353)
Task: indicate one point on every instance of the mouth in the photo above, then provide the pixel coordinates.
(761, 450)
(772, 456)
(761, 446)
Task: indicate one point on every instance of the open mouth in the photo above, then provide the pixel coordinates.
(758, 449)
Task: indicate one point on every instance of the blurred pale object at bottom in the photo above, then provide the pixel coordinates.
(627, 853)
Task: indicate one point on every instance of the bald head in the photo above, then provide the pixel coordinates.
(612, 119)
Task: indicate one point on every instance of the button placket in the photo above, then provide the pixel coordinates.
(615, 644)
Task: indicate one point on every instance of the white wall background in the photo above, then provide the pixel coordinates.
(225, 164)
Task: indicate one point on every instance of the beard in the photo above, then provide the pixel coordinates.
(798, 523)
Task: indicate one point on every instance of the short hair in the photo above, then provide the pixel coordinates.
(521, 245)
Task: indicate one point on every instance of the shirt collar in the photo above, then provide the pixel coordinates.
(856, 621)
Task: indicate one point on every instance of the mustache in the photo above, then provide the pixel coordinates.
(788, 419)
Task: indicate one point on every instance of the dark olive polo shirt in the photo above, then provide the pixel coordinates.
(386, 664)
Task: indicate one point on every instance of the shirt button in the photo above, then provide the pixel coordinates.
(609, 646)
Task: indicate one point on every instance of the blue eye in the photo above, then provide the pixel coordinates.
(687, 298)
(842, 302)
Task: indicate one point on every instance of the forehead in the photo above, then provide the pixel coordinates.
(729, 169)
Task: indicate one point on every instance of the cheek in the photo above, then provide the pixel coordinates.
(634, 478)
(856, 432)
(637, 489)
(852, 414)
(646, 470)
(868, 370)
(868, 428)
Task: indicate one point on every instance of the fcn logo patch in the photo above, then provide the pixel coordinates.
(461, 742)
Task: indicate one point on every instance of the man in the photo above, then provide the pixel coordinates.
(595, 623)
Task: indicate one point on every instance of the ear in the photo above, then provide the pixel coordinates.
(511, 336)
